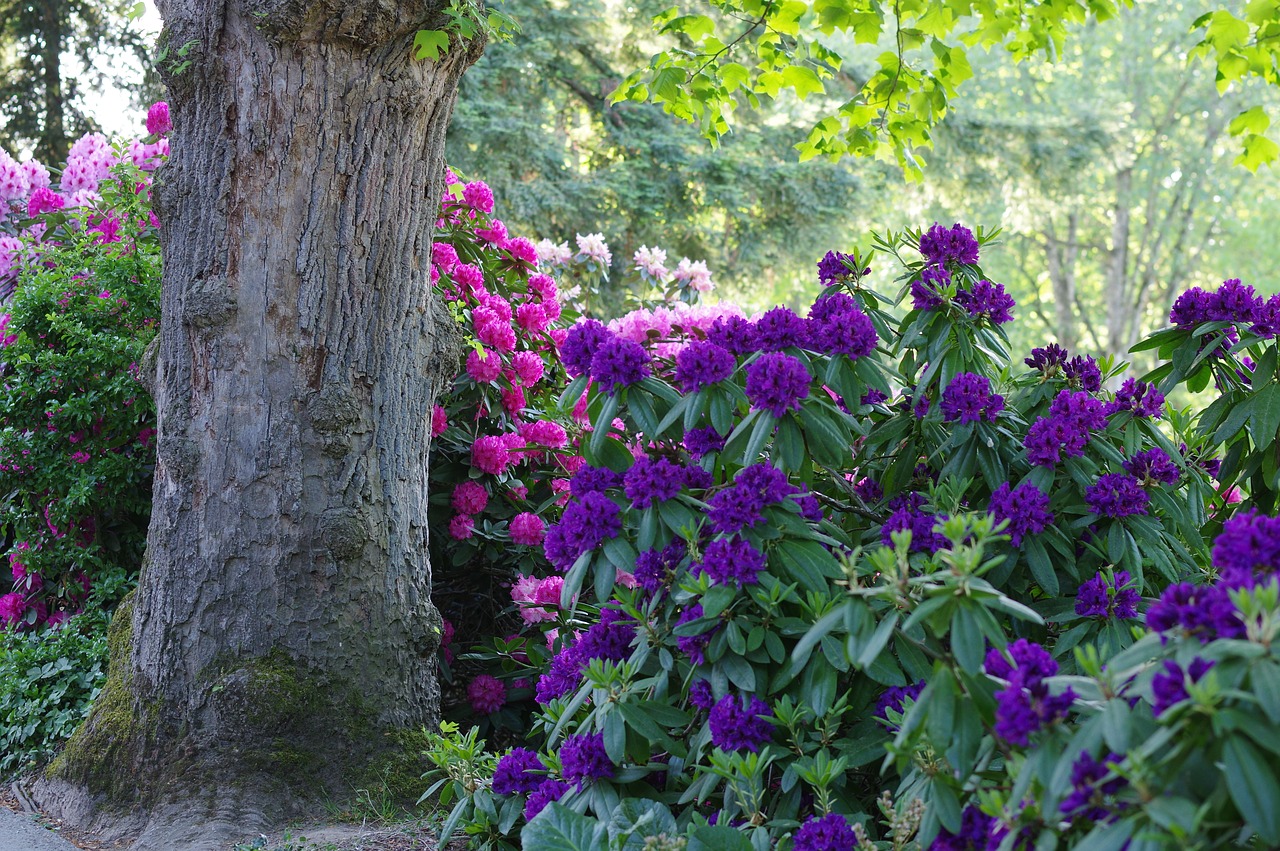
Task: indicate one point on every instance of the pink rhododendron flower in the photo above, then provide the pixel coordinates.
(81, 457)
(521, 249)
(486, 694)
(12, 608)
(592, 247)
(469, 498)
(489, 454)
(545, 432)
(544, 286)
(550, 254)
(484, 367)
(527, 529)
(478, 194)
(439, 421)
(461, 527)
(37, 175)
(158, 121)
(14, 185)
(495, 233)
(652, 261)
(532, 318)
(528, 367)
(445, 256)
(44, 201)
(469, 276)
(626, 580)
(513, 399)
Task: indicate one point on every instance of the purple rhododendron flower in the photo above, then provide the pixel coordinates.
(1153, 467)
(734, 333)
(1025, 507)
(1047, 360)
(1248, 546)
(975, 833)
(1138, 398)
(653, 480)
(987, 300)
(837, 326)
(781, 328)
(1065, 431)
(1089, 794)
(941, 245)
(586, 524)
(1025, 705)
(655, 568)
(1116, 495)
(1098, 598)
(703, 441)
(1203, 611)
(1169, 687)
(920, 523)
(619, 363)
(826, 833)
(777, 382)
(703, 363)
(968, 398)
(732, 561)
(519, 771)
(926, 290)
(580, 345)
(583, 759)
(548, 792)
(736, 723)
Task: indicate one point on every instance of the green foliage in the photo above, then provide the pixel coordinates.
(76, 424)
(534, 121)
(43, 96)
(48, 680)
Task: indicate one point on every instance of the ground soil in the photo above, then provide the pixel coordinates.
(405, 836)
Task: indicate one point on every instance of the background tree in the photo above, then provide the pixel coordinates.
(53, 53)
(535, 121)
(283, 623)
(1110, 173)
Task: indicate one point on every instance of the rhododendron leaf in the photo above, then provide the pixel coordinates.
(1265, 417)
(713, 837)
(1265, 677)
(558, 828)
(1253, 787)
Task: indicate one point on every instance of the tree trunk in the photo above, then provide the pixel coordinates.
(1117, 273)
(1062, 276)
(53, 145)
(283, 621)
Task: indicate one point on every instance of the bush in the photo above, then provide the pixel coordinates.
(814, 625)
(48, 681)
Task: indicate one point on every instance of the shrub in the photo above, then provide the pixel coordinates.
(48, 681)
(839, 528)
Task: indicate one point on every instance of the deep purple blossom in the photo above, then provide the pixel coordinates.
(701, 696)
(1026, 508)
(1082, 371)
(1234, 302)
(1138, 398)
(736, 723)
(609, 639)
(703, 363)
(868, 490)
(1025, 705)
(1048, 359)
(1065, 431)
(1203, 611)
(777, 382)
(583, 759)
(703, 441)
(1089, 792)
(920, 524)
(834, 267)
(872, 397)
(780, 328)
(655, 568)
(653, 480)
(1153, 467)
(1169, 687)
(548, 792)
(742, 504)
(826, 833)
(732, 561)
(693, 645)
(987, 300)
(590, 479)
(1098, 598)
(1190, 309)
(734, 333)
(586, 524)
(1247, 547)
(1267, 318)
(617, 363)
(837, 326)
(1117, 495)
(894, 698)
(968, 398)
(519, 771)
(926, 290)
(941, 245)
(579, 347)
(975, 833)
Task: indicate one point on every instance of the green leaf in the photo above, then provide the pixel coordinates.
(1253, 120)
(1266, 415)
(1253, 787)
(803, 80)
(427, 44)
(712, 837)
(558, 828)
(1258, 151)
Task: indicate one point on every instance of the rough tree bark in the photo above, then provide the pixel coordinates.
(283, 621)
